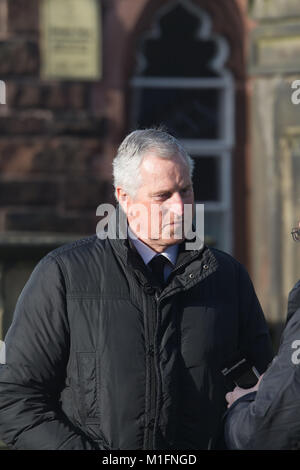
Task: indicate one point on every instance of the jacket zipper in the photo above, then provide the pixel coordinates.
(153, 381)
(153, 377)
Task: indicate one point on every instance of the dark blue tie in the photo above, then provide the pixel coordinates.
(157, 265)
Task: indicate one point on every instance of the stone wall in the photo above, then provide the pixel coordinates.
(51, 137)
(55, 160)
(275, 152)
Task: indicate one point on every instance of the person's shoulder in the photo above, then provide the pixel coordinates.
(228, 265)
(294, 296)
(85, 246)
(224, 257)
(295, 289)
(293, 301)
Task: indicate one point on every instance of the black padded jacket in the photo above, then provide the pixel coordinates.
(97, 357)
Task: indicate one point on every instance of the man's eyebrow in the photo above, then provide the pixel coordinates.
(162, 191)
(168, 191)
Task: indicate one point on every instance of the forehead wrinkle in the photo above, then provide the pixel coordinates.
(160, 175)
(174, 168)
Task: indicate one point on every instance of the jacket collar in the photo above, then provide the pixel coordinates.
(148, 253)
(125, 249)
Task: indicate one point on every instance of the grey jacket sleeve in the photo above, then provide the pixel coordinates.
(37, 351)
(271, 418)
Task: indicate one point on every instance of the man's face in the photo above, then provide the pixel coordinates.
(165, 187)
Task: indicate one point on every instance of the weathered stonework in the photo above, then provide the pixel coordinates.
(275, 149)
(275, 9)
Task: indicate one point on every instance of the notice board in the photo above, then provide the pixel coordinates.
(70, 39)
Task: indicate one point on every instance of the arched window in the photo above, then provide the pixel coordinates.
(181, 82)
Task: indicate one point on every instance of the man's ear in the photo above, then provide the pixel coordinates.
(123, 199)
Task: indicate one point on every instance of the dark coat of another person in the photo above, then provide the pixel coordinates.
(270, 418)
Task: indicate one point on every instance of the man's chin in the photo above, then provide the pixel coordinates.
(172, 240)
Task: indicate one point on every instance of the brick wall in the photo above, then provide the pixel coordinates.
(53, 170)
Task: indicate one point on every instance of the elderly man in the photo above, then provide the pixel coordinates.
(268, 415)
(118, 342)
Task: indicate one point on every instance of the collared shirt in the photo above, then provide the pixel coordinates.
(147, 253)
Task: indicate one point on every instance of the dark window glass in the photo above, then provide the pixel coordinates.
(206, 179)
(178, 51)
(214, 229)
(186, 113)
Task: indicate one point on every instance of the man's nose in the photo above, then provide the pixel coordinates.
(177, 204)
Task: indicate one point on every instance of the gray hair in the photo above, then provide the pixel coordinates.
(126, 164)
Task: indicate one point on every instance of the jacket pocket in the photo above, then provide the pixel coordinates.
(198, 334)
(88, 372)
(206, 335)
